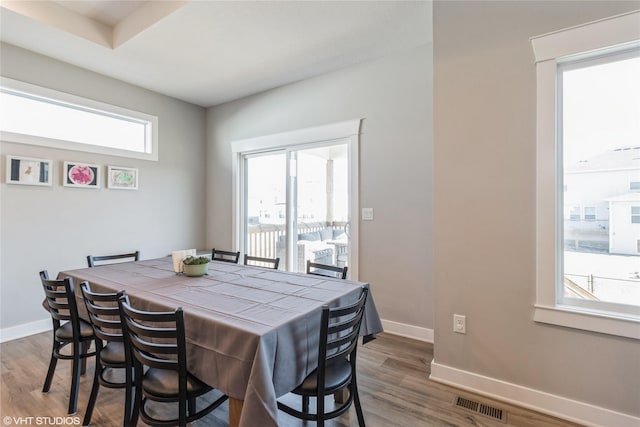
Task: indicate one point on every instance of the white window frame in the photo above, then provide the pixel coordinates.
(622, 31)
(343, 132)
(73, 101)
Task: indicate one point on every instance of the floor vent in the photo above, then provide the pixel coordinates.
(481, 408)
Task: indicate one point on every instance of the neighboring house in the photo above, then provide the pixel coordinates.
(624, 233)
(602, 203)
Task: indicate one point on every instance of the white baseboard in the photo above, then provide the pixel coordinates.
(557, 406)
(409, 331)
(24, 330)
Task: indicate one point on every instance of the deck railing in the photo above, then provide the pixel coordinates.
(262, 239)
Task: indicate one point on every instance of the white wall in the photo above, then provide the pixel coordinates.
(484, 219)
(393, 95)
(56, 228)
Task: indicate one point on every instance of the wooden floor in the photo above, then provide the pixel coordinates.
(393, 380)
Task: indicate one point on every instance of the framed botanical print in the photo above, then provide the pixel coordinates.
(81, 175)
(122, 178)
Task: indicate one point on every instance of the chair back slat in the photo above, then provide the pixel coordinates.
(327, 270)
(61, 301)
(340, 329)
(225, 256)
(261, 261)
(94, 260)
(104, 313)
(156, 339)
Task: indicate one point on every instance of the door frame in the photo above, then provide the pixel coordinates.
(346, 132)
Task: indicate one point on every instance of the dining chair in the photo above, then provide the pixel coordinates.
(68, 330)
(326, 270)
(336, 371)
(225, 256)
(156, 341)
(261, 261)
(104, 315)
(94, 260)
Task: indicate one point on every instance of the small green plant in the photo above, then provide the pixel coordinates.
(195, 260)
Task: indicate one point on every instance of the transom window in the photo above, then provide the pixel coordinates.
(35, 115)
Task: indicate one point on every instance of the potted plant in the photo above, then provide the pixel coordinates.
(195, 266)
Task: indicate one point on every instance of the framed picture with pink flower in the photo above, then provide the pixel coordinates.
(81, 175)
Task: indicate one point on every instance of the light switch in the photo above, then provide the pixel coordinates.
(367, 214)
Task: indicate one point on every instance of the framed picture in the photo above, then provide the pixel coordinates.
(27, 171)
(122, 178)
(81, 175)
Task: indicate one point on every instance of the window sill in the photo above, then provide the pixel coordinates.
(605, 323)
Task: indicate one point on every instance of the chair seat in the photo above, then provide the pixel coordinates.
(113, 353)
(164, 383)
(337, 376)
(65, 332)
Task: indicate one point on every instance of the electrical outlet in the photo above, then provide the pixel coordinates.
(367, 214)
(460, 323)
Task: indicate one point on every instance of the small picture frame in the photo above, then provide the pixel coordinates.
(28, 171)
(122, 178)
(81, 175)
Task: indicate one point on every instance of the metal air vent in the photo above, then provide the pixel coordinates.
(481, 408)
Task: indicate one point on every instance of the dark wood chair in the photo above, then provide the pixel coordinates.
(225, 256)
(68, 330)
(261, 262)
(94, 260)
(156, 340)
(104, 315)
(326, 270)
(337, 351)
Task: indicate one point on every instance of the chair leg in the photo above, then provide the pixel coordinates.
(137, 399)
(94, 393)
(128, 395)
(356, 402)
(182, 412)
(305, 404)
(75, 380)
(191, 405)
(85, 350)
(50, 371)
(320, 410)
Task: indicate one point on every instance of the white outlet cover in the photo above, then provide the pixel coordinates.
(367, 214)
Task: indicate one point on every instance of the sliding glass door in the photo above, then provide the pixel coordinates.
(296, 204)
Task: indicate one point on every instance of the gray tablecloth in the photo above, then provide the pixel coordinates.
(251, 332)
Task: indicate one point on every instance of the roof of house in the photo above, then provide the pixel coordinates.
(619, 158)
(627, 197)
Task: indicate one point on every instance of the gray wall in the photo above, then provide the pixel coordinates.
(484, 216)
(56, 228)
(393, 95)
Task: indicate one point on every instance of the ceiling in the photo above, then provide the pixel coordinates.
(210, 52)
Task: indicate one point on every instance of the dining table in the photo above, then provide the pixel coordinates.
(251, 332)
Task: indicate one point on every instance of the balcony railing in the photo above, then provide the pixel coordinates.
(262, 239)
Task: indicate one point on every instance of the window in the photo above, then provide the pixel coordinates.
(574, 213)
(588, 108)
(635, 215)
(589, 213)
(36, 115)
(634, 185)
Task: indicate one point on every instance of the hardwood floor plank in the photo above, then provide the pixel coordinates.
(392, 376)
